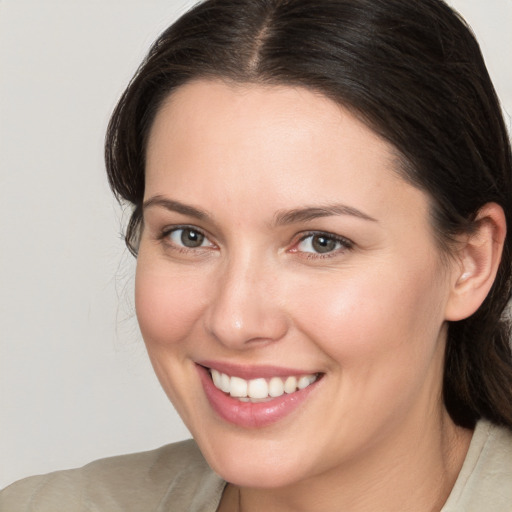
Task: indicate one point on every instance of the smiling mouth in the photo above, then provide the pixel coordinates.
(260, 389)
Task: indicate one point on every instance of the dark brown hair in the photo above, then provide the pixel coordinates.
(413, 72)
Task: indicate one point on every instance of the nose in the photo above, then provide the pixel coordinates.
(246, 307)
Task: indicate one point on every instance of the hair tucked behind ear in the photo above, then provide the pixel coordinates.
(413, 72)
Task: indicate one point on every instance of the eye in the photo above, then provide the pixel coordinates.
(322, 243)
(188, 237)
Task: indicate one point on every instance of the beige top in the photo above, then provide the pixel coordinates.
(176, 478)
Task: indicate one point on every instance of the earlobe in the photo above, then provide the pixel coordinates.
(478, 261)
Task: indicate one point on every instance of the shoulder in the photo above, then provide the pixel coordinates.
(175, 473)
(485, 481)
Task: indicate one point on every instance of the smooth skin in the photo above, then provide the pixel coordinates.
(277, 231)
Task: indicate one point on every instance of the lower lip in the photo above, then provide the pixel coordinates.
(248, 414)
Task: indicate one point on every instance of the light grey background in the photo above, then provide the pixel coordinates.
(75, 383)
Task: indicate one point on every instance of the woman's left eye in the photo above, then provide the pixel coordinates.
(322, 243)
(188, 237)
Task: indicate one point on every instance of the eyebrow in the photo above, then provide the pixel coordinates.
(315, 212)
(176, 206)
(281, 218)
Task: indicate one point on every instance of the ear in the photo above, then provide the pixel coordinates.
(478, 260)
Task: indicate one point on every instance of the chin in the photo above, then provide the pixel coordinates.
(259, 474)
(254, 461)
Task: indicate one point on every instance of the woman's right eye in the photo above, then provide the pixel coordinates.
(187, 238)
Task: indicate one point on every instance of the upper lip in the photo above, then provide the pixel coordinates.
(248, 372)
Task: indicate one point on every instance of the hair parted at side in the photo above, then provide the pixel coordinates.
(414, 73)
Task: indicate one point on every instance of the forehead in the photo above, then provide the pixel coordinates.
(264, 120)
(235, 100)
(276, 143)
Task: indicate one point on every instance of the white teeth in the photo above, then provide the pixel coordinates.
(225, 383)
(303, 382)
(290, 385)
(257, 390)
(216, 378)
(275, 387)
(238, 387)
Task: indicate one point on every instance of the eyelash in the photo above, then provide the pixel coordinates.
(345, 244)
(166, 232)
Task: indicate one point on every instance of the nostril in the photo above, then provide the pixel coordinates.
(256, 327)
(243, 307)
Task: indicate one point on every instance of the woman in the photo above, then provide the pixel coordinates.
(321, 193)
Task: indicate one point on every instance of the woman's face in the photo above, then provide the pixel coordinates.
(282, 253)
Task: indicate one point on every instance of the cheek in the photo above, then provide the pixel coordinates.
(167, 305)
(362, 319)
(381, 337)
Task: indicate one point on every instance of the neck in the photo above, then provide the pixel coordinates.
(410, 473)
